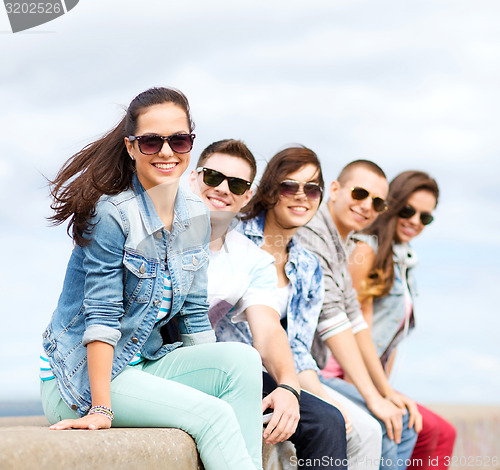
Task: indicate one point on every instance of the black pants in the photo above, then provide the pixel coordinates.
(319, 439)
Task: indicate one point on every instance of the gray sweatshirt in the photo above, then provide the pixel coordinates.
(341, 309)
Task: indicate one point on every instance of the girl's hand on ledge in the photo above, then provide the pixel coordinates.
(93, 422)
(404, 402)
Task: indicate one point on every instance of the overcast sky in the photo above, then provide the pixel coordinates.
(410, 85)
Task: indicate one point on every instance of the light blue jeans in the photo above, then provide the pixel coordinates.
(393, 455)
(211, 391)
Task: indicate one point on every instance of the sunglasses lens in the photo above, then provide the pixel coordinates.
(312, 190)
(212, 177)
(237, 185)
(289, 188)
(407, 212)
(181, 143)
(426, 218)
(150, 144)
(358, 194)
(379, 204)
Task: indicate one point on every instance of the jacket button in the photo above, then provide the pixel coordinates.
(195, 261)
(142, 269)
(156, 303)
(159, 235)
(135, 340)
(74, 407)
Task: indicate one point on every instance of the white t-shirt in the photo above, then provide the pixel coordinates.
(240, 275)
(283, 298)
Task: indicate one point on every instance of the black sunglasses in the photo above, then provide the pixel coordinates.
(213, 178)
(358, 194)
(290, 188)
(409, 211)
(151, 144)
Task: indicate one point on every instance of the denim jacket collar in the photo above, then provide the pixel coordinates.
(254, 229)
(149, 215)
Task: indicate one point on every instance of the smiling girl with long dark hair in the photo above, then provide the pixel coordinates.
(139, 263)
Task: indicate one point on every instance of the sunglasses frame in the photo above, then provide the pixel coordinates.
(230, 180)
(425, 217)
(167, 138)
(368, 194)
(301, 186)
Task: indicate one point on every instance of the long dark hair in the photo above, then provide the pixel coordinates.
(103, 167)
(381, 276)
(279, 167)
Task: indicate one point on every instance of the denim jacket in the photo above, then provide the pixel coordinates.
(389, 326)
(113, 288)
(304, 306)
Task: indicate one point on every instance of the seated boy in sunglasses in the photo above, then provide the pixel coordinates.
(356, 199)
(242, 284)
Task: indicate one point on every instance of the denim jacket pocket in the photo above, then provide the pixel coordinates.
(191, 262)
(194, 259)
(140, 274)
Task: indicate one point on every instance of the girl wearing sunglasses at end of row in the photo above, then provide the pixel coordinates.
(382, 268)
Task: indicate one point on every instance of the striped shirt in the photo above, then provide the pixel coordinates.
(165, 308)
(45, 370)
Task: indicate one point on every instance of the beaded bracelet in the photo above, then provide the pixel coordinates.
(290, 389)
(102, 410)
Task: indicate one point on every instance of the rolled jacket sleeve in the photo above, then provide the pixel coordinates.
(198, 338)
(101, 333)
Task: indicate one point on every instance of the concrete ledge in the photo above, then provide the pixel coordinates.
(27, 443)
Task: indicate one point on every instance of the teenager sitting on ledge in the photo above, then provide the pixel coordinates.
(140, 260)
(382, 267)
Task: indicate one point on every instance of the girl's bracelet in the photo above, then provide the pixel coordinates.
(102, 410)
